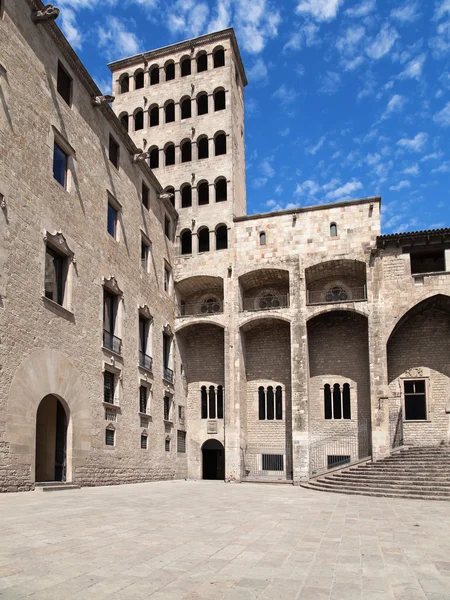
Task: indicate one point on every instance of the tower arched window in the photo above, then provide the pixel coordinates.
(333, 230)
(278, 403)
(220, 402)
(154, 158)
(124, 121)
(203, 239)
(220, 144)
(270, 404)
(186, 151)
(139, 120)
(185, 65)
(186, 196)
(154, 75)
(262, 238)
(202, 104)
(219, 100)
(337, 403)
(169, 70)
(169, 112)
(346, 411)
(327, 401)
(186, 242)
(154, 116)
(203, 193)
(222, 237)
(124, 84)
(203, 147)
(202, 62)
(219, 57)
(169, 153)
(221, 189)
(186, 111)
(139, 80)
(212, 402)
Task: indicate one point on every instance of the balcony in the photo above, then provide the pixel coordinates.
(266, 302)
(112, 342)
(336, 294)
(145, 361)
(168, 374)
(209, 307)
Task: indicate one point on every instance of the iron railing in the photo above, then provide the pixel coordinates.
(265, 462)
(168, 374)
(336, 295)
(112, 342)
(267, 302)
(396, 427)
(145, 361)
(339, 450)
(201, 308)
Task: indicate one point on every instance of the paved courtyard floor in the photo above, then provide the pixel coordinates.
(211, 540)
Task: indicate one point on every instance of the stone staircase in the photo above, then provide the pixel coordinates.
(409, 473)
(55, 486)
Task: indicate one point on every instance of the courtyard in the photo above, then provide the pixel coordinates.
(211, 540)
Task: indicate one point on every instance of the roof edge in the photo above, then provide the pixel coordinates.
(398, 238)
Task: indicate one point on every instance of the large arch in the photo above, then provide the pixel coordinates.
(264, 288)
(334, 281)
(47, 373)
(213, 460)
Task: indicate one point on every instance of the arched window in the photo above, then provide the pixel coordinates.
(327, 401)
(220, 144)
(139, 80)
(219, 100)
(212, 402)
(270, 404)
(221, 190)
(124, 83)
(186, 151)
(222, 237)
(262, 238)
(154, 75)
(185, 64)
(169, 112)
(138, 120)
(186, 111)
(154, 116)
(203, 239)
(203, 192)
(337, 412)
(204, 400)
(186, 196)
(333, 230)
(336, 294)
(169, 152)
(346, 410)
(186, 242)
(202, 147)
(219, 57)
(261, 404)
(169, 69)
(124, 121)
(202, 104)
(154, 158)
(279, 403)
(202, 62)
(170, 190)
(220, 402)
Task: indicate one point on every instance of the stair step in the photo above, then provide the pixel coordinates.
(55, 486)
(386, 479)
(390, 486)
(379, 494)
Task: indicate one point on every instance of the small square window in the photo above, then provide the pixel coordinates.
(167, 444)
(110, 437)
(145, 255)
(55, 275)
(415, 400)
(112, 220)
(60, 165)
(114, 151)
(145, 196)
(144, 444)
(64, 84)
(109, 384)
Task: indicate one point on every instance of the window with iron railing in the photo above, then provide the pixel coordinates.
(109, 387)
(110, 322)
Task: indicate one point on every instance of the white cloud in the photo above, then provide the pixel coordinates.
(373, 159)
(259, 182)
(307, 188)
(415, 144)
(345, 190)
(352, 64)
(442, 168)
(70, 28)
(321, 10)
(256, 22)
(395, 104)
(285, 132)
(348, 42)
(315, 149)
(414, 68)
(285, 95)
(406, 13)
(222, 16)
(383, 43)
(188, 18)
(442, 9)
(362, 10)
(413, 170)
(306, 36)
(402, 185)
(432, 156)
(258, 74)
(329, 82)
(117, 40)
(267, 169)
(443, 117)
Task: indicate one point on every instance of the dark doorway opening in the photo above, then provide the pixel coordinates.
(213, 455)
(51, 440)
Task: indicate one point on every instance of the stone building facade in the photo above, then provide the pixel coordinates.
(150, 328)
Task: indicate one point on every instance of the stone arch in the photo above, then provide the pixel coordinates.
(51, 373)
(138, 79)
(218, 57)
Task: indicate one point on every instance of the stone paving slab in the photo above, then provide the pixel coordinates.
(201, 540)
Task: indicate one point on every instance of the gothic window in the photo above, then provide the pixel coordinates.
(337, 401)
(270, 403)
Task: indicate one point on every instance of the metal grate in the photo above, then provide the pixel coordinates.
(110, 437)
(144, 442)
(108, 387)
(167, 408)
(110, 414)
(112, 342)
(181, 441)
(335, 460)
(272, 462)
(167, 445)
(143, 396)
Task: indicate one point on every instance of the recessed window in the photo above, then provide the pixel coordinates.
(124, 84)
(124, 121)
(139, 80)
(431, 261)
(143, 399)
(221, 190)
(114, 151)
(110, 437)
(170, 154)
(154, 158)
(202, 62)
(262, 238)
(167, 227)
(170, 71)
(109, 385)
(220, 144)
(154, 75)
(202, 148)
(112, 220)
(186, 111)
(337, 401)
(169, 111)
(415, 400)
(219, 58)
(202, 104)
(211, 401)
(167, 444)
(145, 255)
(222, 237)
(60, 165)
(219, 100)
(167, 279)
(203, 193)
(270, 403)
(185, 67)
(181, 413)
(139, 120)
(111, 339)
(181, 441)
(167, 408)
(64, 84)
(55, 275)
(333, 230)
(144, 438)
(203, 239)
(186, 196)
(186, 151)
(186, 242)
(145, 195)
(154, 116)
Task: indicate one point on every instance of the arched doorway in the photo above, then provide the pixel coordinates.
(51, 440)
(213, 454)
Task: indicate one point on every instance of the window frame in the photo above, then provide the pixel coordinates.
(114, 148)
(61, 70)
(406, 395)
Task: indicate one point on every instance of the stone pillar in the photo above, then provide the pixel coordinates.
(177, 154)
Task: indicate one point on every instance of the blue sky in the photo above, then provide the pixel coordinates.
(354, 95)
